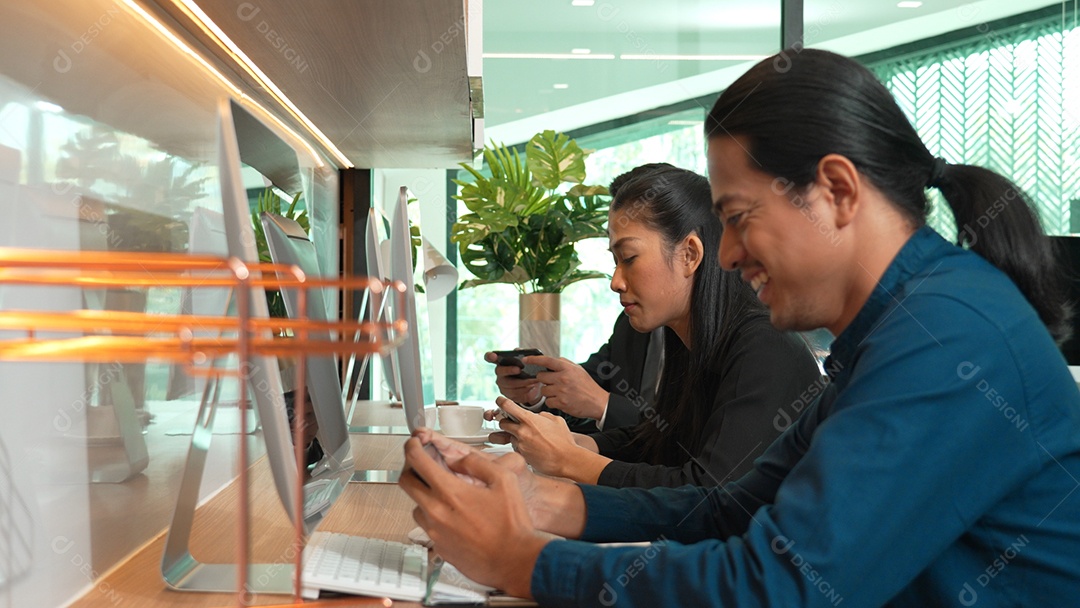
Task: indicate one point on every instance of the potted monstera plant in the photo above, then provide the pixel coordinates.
(525, 216)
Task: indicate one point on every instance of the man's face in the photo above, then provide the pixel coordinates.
(782, 240)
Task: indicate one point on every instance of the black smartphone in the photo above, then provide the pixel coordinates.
(513, 357)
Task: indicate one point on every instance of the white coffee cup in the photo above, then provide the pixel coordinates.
(461, 420)
(430, 417)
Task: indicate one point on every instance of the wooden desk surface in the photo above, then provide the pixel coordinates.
(375, 510)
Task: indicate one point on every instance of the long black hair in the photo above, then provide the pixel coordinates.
(802, 104)
(675, 203)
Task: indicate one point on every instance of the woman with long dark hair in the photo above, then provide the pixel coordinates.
(727, 374)
(940, 465)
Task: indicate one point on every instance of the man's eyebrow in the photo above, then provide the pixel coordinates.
(720, 201)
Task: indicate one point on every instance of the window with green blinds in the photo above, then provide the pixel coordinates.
(1009, 100)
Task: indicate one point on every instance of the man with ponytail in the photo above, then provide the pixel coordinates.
(939, 467)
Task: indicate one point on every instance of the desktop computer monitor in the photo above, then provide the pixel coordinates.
(413, 357)
(206, 236)
(378, 304)
(289, 245)
(263, 374)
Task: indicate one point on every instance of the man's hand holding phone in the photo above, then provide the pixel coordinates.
(443, 451)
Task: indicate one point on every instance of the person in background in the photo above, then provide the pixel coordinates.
(939, 466)
(727, 374)
(614, 388)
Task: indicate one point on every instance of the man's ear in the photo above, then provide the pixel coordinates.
(693, 252)
(839, 183)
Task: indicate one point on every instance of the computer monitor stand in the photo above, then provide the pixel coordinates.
(374, 476)
(375, 302)
(111, 467)
(112, 458)
(179, 568)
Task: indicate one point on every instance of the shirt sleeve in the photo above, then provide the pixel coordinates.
(905, 459)
(602, 420)
(764, 372)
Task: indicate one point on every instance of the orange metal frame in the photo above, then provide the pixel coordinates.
(109, 336)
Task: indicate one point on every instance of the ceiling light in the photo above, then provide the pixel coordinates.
(561, 85)
(655, 57)
(908, 4)
(582, 2)
(581, 51)
(181, 45)
(46, 106)
(686, 123)
(248, 102)
(545, 56)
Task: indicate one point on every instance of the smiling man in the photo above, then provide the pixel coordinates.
(902, 484)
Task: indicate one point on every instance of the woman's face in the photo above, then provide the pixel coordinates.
(654, 286)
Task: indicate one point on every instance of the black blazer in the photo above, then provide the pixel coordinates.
(764, 371)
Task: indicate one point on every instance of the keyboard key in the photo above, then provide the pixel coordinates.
(364, 566)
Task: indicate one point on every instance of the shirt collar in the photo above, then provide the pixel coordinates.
(924, 245)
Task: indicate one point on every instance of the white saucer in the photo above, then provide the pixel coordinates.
(472, 439)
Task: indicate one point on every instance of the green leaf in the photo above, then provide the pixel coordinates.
(269, 201)
(519, 229)
(541, 206)
(583, 190)
(588, 218)
(497, 200)
(574, 277)
(554, 159)
(468, 230)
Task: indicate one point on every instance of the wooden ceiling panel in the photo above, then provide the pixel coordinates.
(385, 80)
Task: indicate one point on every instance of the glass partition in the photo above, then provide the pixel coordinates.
(108, 142)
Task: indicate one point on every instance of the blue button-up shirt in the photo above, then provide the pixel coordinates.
(939, 467)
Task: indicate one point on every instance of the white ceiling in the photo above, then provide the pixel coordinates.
(353, 68)
(520, 97)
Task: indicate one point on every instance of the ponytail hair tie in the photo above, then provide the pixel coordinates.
(937, 171)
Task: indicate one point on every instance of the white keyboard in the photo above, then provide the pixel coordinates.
(364, 566)
(318, 495)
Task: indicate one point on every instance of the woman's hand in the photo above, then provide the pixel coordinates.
(569, 387)
(547, 444)
(525, 391)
